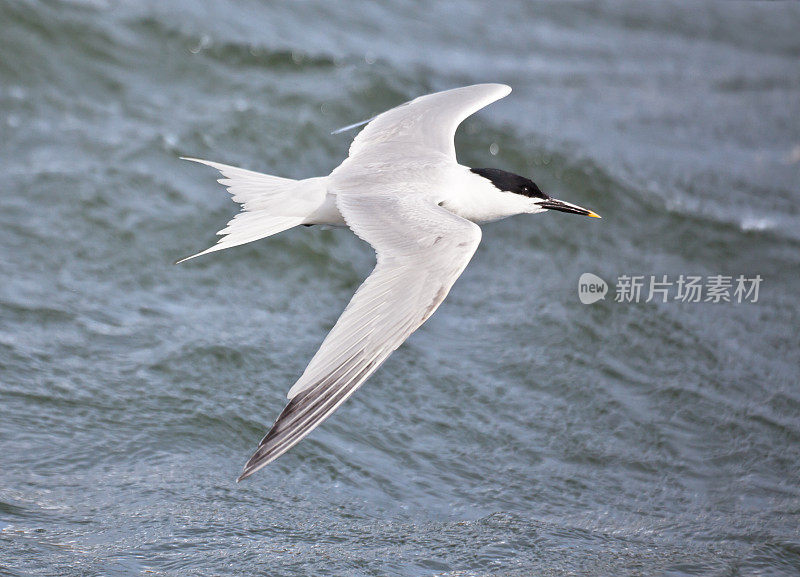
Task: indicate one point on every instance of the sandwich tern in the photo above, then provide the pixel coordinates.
(401, 190)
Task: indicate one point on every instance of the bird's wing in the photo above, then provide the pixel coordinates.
(428, 122)
(421, 251)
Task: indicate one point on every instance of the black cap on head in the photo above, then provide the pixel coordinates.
(511, 182)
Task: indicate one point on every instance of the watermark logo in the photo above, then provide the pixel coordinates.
(716, 288)
(591, 288)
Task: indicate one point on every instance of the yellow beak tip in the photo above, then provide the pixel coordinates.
(594, 215)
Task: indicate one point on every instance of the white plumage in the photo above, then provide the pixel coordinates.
(401, 190)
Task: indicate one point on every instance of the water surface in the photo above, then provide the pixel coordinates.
(519, 432)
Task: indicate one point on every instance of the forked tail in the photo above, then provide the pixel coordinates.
(270, 204)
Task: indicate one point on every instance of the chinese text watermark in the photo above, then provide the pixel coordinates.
(664, 288)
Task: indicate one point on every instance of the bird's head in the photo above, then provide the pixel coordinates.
(537, 201)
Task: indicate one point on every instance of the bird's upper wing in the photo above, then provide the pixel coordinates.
(428, 122)
(421, 251)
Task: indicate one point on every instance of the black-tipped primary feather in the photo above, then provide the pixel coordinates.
(303, 413)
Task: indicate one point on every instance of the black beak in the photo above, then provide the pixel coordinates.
(553, 204)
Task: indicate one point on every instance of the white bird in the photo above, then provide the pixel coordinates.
(402, 190)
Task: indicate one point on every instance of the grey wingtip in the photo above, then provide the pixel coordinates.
(249, 468)
(248, 472)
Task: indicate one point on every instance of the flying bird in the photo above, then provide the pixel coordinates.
(402, 190)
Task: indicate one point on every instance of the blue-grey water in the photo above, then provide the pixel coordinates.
(519, 432)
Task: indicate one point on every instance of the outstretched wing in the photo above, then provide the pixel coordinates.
(430, 121)
(421, 251)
